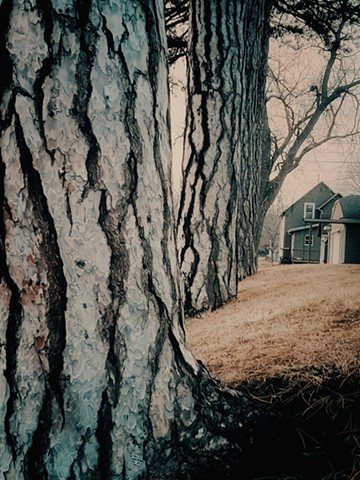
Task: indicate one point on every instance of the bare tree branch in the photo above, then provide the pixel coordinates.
(299, 140)
(176, 21)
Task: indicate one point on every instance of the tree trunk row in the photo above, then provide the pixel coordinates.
(225, 147)
(95, 377)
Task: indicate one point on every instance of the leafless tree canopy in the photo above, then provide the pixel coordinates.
(176, 18)
(332, 33)
(320, 18)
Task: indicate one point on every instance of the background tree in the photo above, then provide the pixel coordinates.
(269, 240)
(228, 175)
(351, 172)
(95, 378)
(222, 162)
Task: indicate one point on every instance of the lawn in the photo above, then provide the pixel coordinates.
(288, 319)
(292, 342)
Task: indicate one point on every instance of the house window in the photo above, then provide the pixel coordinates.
(307, 240)
(309, 210)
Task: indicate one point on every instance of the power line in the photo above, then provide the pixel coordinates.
(344, 162)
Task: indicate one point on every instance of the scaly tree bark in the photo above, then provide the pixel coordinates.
(95, 378)
(226, 147)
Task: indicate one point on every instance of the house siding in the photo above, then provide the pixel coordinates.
(337, 212)
(326, 211)
(293, 217)
(352, 247)
(282, 233)
(300, 252)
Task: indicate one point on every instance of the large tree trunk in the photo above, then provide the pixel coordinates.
(225, 146)
(95, 378)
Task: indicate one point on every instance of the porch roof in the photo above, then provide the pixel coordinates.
(331, 220)
(303, 227)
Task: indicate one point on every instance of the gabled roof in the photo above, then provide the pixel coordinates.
(350, 206)
(332, 193)
(334, 197)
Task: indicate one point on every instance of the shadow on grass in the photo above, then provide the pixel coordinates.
(313, 432)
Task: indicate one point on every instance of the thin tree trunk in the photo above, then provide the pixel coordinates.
(224, 151)
(95, 378)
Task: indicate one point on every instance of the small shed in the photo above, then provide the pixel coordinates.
(344, 238)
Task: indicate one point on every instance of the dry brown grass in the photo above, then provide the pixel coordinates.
(288, 320)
